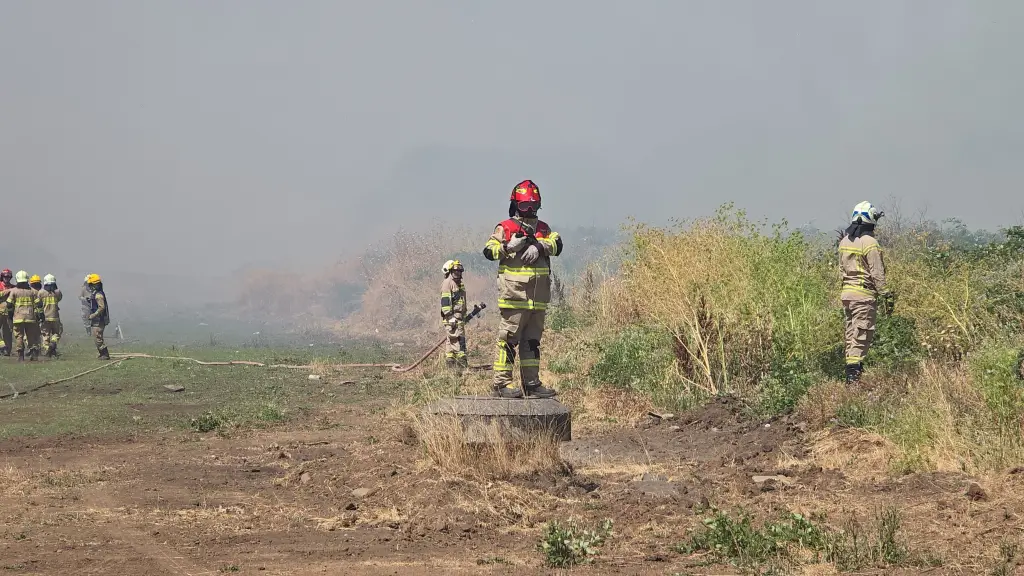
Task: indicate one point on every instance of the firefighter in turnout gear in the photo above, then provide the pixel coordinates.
(453, 314)
(83, 297)
(860, 257)
(99, 313)
(25, 319)
(51, 296)
(6, 332)
(36, 283)
(523, 247)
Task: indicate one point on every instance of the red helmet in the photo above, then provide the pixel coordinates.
(6, 273)
(526, 191)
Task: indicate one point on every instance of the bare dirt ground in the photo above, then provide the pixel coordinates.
(280, 500)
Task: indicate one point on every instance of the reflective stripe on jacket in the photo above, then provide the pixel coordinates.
(26, 303)
(863, 268)
(453, 300)
(523, 286)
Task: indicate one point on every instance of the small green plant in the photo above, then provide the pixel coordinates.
(572, 544)
(270, 413)
(231, 568)
(773, 546)
(740, 543)
(206, 422)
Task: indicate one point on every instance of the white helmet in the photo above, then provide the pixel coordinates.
(21, 277)
(451, 265)
(49, 279)
(866, 213)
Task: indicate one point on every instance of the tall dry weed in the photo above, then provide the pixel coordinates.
(727, 291)
(485, 450)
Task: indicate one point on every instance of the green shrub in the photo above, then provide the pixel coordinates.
(995, 370)
(896, 347)
(572, 544)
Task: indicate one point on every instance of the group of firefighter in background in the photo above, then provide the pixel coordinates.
(30, 314)
(523, 247)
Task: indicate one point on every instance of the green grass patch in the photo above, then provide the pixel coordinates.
(778, 546)
(130, 397)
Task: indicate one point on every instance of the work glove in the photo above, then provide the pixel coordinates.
(531, 254)
(453, 322)
(517, 243)
(887, 300)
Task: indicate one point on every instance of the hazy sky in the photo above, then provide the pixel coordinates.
(201, 135)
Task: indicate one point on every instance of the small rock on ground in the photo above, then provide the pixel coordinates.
(976, 492)
(362, 492)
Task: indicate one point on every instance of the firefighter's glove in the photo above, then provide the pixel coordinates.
(888, 301)
(531, 254)
(517, 243)
(40, 317)
(453, 322)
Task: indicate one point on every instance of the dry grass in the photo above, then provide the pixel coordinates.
(485, 450)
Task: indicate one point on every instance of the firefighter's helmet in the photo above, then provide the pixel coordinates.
(35, 279)
(49, 279)
(450, 266)
(526, 191)
(866, 213)
(21, 277)
(93, 279)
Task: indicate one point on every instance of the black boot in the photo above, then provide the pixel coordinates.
(104, 355)
(537, 390)
(33, 354)
(507, 392)
(51, 350)
(449, 363)
(21, 355)
(5, 351)
(853, 372)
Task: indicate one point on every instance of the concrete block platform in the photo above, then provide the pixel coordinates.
(512, 417)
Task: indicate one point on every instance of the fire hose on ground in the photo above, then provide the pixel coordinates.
(120, 357)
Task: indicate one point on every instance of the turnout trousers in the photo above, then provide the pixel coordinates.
(455, 348)
(6, 332)
(26, 336)
(520, 332)
(860, 328)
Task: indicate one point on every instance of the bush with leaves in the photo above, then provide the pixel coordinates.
(572, 544)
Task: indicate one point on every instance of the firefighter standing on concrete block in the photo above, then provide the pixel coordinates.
(523, 247)
(25, 316)
(6, 332)
(860, 257)
(51, 296)
(99, 315)
(453, 314)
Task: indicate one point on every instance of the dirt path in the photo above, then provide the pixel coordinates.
(281, 501)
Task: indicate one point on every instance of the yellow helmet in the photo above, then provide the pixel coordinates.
(451, 265)
(93, 279)
(35, 279)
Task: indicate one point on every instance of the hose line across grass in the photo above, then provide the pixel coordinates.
(122, 356)
(14, 392)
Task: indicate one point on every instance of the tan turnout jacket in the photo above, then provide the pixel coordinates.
(863, 268)
(26, 302)
(50, 299)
